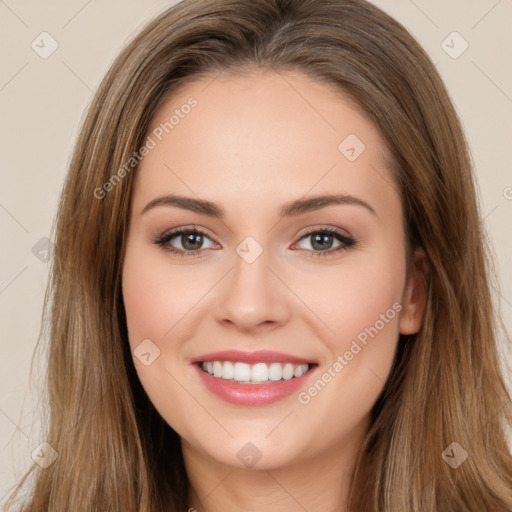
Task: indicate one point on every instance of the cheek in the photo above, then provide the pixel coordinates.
(155, 296)
(359, 302)
(155, 302)
(361, 352)
(353, 296)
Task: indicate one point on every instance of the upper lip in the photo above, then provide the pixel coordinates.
(257, 356)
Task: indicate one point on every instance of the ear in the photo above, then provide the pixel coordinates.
(414, 298)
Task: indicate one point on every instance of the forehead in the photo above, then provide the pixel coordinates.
(263, 135)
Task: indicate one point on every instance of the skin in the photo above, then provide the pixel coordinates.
(254, 142)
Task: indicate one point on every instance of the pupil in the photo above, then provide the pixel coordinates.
(192, 241)
(322, 241)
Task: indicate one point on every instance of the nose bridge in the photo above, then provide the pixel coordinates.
(252, 295)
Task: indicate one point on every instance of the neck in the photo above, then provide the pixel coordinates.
(319, 483)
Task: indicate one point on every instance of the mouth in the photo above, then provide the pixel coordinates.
(253, 378)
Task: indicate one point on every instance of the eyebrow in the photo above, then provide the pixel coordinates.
(291, 209)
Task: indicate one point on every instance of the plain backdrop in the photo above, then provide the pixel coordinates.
(42, 101)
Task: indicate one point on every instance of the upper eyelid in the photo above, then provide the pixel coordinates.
(203, 231)
(332, 229)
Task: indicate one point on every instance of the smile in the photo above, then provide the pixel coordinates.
(253, 378)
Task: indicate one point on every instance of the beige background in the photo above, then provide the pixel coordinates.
(42, 102)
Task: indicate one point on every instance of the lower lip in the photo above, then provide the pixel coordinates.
(252, 394)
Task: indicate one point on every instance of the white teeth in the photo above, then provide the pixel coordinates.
(300, 370)
(217, 369)
(275, 371)
(255, 373)
(228, 370)
(259, 372)
(242, 372)
(288, 371)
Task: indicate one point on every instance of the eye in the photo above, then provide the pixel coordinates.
(185, 241)
(325, 241)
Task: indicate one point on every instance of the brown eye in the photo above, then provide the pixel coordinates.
(185, 242)
(191, 241)
(321, 241)
(326, 240)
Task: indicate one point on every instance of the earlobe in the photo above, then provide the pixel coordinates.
(414, 298)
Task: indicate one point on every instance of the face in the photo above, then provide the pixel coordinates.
(266, 246)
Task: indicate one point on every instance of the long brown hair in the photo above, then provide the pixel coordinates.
(115, 453)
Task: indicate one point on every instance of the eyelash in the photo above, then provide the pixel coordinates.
(165, 238)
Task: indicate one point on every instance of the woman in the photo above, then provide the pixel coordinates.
(270, 285)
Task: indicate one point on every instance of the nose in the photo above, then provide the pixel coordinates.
(251, 298)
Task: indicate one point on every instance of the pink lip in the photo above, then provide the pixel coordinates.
(258, 356)
(252, 394)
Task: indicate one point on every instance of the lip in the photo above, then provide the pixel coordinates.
(252, 395)
(257, 356)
